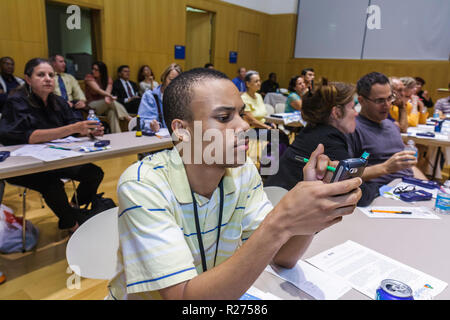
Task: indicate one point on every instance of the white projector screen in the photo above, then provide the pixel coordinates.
(404, 29)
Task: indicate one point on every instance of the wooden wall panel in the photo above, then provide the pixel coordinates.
(137, 32)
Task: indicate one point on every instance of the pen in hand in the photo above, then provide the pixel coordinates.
(305, 160)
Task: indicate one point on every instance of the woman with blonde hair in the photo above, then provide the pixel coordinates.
(151, 107)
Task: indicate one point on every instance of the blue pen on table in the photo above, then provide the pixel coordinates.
(305, 160)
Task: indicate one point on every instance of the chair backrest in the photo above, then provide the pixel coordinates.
(270, 110)
(280, 107)
(132, 124)
(92, 250)
(275, 194)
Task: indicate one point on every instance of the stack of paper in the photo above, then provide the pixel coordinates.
(316, 283)
(364, 269)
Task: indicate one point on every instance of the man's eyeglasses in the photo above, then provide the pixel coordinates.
(404, 189)
(381, 101)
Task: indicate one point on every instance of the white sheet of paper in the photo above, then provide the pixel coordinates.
(364, 269)
(163, 132)
(417, 213)
(255, 294)
(318, 284)
(434, 192)
(44, 153)
(66, 140)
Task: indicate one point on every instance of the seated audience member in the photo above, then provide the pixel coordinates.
(403, 89)
(67, 87)
(98, 93)
(297, 89)
(239, 81)
(34, 114)
(443, 105)
(255, 109)
(378, 135)
(209, 66)
(255, 112)
(146, 79)
(270, 85)
(187, 200)
(423, 94)
(126, 91)
(8, 81)
(151, 107)
(330, 114)
(308, 74)
(398, 113)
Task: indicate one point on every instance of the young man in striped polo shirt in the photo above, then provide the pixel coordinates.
(202, 227)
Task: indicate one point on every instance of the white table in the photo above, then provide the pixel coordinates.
(122, 144)
(420, 244)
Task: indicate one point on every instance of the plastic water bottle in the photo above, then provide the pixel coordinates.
(443, 199)
(436, 114)
(92, 116)
(411, 146)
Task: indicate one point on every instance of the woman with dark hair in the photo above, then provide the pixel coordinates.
(98, 94)
(146, 79)
(34, 114)
(330, 115)
(297, 89)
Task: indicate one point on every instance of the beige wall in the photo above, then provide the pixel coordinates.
(137, 32)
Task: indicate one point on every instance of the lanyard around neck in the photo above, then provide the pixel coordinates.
(197, 227)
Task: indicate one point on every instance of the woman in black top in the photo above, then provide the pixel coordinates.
(35, 115)
(330, 114)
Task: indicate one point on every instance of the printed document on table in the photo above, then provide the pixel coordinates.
(318, 284)
(255, 294)
(364, 269)
(43, 152)
(416, 213)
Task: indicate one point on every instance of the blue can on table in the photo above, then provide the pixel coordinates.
(394, 290)
(438, 125)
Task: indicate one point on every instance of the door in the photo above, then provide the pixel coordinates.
(199, 33)
(248, 50)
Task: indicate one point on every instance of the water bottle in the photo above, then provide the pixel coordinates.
(92, 116)
(412, 147)
(443, 199)
(436, 114)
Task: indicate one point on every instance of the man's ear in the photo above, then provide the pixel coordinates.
(179, 128)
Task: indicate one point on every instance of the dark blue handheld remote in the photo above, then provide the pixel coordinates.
(102, 143)
(4, 155)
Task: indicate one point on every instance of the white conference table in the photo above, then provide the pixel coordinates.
(437, 143)
(279, 121)
(420, 244)
(122, 144)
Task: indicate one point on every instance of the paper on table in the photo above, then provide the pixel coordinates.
(316, 283)
(434, 192)
(416, 213)
(163, 132)
(66, 140)
(255, 294)
(43, 152)
(364, 269)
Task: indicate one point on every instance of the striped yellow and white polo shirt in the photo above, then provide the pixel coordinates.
(158, 242)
